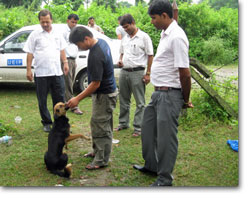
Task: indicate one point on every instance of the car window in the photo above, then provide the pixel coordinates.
(16, 43)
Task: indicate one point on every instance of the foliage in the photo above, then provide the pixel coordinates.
(202, 24)
(217, 4)
(25, 3)
(227, 89)
(6, 129)
(215, 51)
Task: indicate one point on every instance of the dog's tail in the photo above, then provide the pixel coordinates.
(67, 171)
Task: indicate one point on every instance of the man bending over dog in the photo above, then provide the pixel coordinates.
(102, 87)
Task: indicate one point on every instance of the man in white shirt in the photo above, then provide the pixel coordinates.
(171, 78)
(46, 47)
(91, 23)
(120, 32)
(71, 53)
(136, 55)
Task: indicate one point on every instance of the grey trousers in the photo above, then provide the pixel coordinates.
(159, 133)
(131, 82)
(69, 79)
(102, 126)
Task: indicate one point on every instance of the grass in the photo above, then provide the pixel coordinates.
(204, 158)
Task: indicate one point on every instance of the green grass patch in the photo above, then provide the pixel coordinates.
(204, 158)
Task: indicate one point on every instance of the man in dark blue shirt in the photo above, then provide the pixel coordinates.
(102, 87)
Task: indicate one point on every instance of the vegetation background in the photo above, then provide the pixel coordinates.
(211, 25)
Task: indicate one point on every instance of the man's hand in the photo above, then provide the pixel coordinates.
(29, 75)
(146, 79)
(73, 102)
(188, 105)
(120, 63)
(66, 68)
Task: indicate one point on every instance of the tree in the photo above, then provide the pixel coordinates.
(74, 3)
(217, 4)
(25, 3)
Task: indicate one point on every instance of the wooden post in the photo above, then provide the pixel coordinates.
(175, 11)
(213, 93)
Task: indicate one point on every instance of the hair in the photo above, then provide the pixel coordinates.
(78, 34)
(44, 13)
(127, 19)
(91, 18)
(74, 16)
(160, 6)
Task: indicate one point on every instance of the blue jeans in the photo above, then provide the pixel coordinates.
(53, 84)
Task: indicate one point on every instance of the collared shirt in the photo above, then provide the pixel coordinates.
(71, 50)
(172, 54)
(46, 48)
(136, 50)
(96, 27)
(120, 30)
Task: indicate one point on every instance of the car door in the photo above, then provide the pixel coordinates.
(13, 58)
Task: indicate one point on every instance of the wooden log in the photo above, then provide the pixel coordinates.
(224, 105)
(201, 68)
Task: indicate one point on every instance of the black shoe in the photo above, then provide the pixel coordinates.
(157, 183)
(47, 128)
(144, 170)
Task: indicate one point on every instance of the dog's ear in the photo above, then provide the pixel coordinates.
(66, 107)
(55, 116)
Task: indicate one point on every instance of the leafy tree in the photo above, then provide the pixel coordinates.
(74, 3)
(25, 3)
(217, 4)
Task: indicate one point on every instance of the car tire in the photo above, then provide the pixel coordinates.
(83, 81)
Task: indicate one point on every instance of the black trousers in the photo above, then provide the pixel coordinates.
(56, 86)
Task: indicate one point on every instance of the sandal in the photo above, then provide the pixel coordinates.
(92, 155)
(119, 128)
(136, 133)
(93, 167)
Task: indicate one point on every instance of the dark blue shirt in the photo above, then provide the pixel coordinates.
(101, 68)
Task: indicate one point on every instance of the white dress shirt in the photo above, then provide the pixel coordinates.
(71, 50)
(172, 54)
(136, 50)
(46, 48)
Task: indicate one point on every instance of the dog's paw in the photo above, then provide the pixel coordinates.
(69, 169)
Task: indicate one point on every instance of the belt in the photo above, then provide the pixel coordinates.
(133, 69)
(166, 88)
(71, 58)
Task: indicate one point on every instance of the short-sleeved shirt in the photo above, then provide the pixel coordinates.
(101, 68)
(97, 28)
(46, 48)
(136, 50)
(119, 30)
(172, 54)
(71, 50)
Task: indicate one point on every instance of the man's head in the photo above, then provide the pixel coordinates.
(45, 18)
(161, 13)
(128, 24)
(81, 37)
(72, 20)
(91, 21)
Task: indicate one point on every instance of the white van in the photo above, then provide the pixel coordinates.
(13, 58)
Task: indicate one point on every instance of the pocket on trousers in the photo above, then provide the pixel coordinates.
(100, 128)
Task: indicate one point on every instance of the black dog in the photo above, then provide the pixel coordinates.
(54, 158)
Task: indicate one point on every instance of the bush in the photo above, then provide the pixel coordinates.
(215, 51)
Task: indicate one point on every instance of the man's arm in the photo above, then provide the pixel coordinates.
(185, 78)
(120, 63)
(29, 74)
(146, 77)
(64, 61)
(93, 86)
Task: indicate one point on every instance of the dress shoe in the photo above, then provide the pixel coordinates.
(47, 128)
(144, 170)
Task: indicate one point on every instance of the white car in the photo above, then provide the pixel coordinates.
(13, 58)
